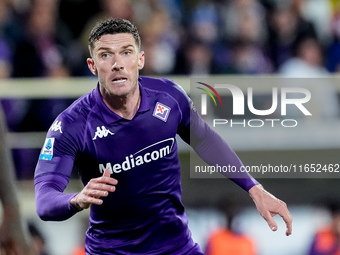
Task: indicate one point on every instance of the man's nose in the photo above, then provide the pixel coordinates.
(117, 66)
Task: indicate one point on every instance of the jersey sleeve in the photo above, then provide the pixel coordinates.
(208, 144)
(54, 169)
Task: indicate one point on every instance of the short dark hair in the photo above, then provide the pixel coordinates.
(113, 26)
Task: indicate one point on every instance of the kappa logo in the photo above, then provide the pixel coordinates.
(161, 111)
(56, 126)
(102, 132)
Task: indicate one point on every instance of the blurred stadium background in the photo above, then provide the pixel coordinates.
(43, 69)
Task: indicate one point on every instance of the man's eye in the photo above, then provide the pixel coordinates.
(127, 52)
(105, 55)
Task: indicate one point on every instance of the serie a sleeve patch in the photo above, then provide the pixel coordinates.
(47, 150)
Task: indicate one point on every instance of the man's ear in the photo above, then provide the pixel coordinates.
(141, 60)
(92, 66)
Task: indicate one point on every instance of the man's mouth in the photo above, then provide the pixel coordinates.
(118, 80)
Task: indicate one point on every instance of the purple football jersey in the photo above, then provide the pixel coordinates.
(145, 214)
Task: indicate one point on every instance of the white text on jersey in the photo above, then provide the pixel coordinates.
(140, 158)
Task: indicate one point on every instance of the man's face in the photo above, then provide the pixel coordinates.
(116, 60)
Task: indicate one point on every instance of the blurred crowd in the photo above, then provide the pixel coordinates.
(48, 38)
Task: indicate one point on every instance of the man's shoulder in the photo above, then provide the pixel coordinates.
(78, 112)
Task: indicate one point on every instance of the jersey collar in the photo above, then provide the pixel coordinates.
(109, 116)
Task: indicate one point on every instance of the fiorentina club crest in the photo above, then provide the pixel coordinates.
(161, 111)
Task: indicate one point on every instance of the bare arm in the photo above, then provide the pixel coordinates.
(14, 235)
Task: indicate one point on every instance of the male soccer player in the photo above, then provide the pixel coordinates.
(121, 138)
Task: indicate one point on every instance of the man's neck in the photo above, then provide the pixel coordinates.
(125, 106)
